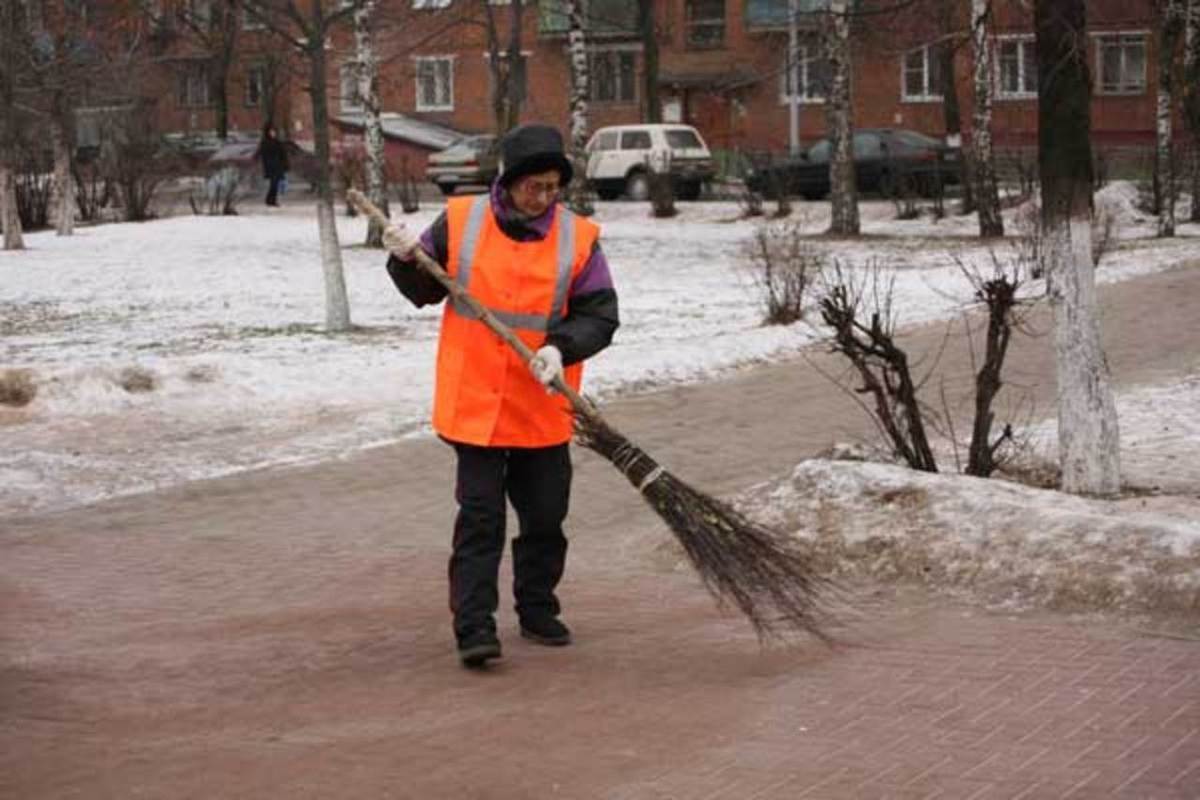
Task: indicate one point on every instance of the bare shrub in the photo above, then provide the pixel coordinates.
(859, 312)
(17, 388)
(783, 265)
(221, 193)
(33, 186)
(137, 380)
(93, 189)
(136, 159)
(999, 293)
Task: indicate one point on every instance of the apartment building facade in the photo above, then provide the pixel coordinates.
(724, 67)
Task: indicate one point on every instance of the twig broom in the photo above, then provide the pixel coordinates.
(765, 573)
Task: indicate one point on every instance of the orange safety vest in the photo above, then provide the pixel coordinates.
(486, 394)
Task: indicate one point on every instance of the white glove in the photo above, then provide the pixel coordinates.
(546, 365)
(398, 239)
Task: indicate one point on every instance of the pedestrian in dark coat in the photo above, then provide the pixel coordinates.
(539, 267)
(274, 159)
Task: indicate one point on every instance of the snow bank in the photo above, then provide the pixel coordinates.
(1006, 543)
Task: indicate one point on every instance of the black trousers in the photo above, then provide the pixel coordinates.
(273, 189)
(537, 481)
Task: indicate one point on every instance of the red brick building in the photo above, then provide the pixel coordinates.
(723, 68)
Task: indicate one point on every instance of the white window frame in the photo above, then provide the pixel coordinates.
(808, 55)
(1098, 40)
(427, 4)
(1023, 41)
(348, 97)
(419, 104)
(610, 51)
(926, 96)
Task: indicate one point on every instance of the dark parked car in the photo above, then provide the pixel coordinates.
(470, 161)
(891, 161)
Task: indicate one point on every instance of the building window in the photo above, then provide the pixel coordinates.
(611, 76)
(922, 74)
(1018, 68)
(812, 74)
(705, 23)
(1122, 63)
(431, 3)
(192, 82)
(349, 98)
(255, 86)
(435, 83)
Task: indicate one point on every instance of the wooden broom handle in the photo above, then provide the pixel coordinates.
(582, 406)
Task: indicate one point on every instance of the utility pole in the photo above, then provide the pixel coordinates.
(793, 78)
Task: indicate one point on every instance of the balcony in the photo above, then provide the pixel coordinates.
(773, 14)
(601, 18)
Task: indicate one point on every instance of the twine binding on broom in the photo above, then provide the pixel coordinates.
(771, 577)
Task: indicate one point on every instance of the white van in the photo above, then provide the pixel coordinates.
(619, 155)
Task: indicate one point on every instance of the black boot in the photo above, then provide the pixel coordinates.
(545, 630)
(477, 648)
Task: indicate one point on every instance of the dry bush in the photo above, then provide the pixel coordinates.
(858, 310)
(750, 202)
(17, 388)
(137, 380)
(783, 265)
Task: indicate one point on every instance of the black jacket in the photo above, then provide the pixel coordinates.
(274, 157)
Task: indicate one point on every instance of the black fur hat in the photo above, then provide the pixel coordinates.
(529, 149)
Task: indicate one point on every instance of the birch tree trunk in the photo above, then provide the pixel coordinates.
(368, 90)
(64, 183)
(337, 305)
(1191, 97)
(1164, 166)
(577, 194)
(9, 217)
(987, 195)
(839, 110)
(1088, 441)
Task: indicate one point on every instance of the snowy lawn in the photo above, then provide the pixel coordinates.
(192, 347)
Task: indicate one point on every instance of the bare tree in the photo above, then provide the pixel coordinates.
(987, 195)
(648, 31)
(839, 113)
(367, 75)
(1089, 447)
(1191, 96)
(15, 54)
(1170, 18)
(577, 194)
(507, 67)
(307, 33)
(212, 27)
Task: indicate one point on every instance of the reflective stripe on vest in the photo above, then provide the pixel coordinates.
(562, 281)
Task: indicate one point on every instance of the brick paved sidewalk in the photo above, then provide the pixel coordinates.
(284, 634)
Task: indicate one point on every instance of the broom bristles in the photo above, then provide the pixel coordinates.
(766, 574)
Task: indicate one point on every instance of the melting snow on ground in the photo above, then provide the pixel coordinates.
(192, 346)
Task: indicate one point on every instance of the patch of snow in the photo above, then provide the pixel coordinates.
(225, 315)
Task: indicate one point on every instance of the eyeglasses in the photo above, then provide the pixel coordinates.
(532, 188)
